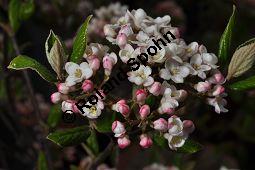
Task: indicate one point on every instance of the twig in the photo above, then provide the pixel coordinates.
(102, 156)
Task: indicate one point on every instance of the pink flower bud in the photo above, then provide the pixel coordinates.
(123, 142)
(155, 88)
(122, 107)
(67, 105)
(203, 86)
(188, 126)
(108, 62)
(87, 86)
(144, 111)
(168, 110)
(57, 97)
(218, 78)
(217, 90)
(160, 124)
(94, 63)
(141, 95)
(121, 40)
(62, 88)
(145, 141)
(118, 128)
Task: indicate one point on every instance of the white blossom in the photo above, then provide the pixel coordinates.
(141, 76)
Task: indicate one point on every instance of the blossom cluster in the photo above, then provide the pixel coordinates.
(175, 64)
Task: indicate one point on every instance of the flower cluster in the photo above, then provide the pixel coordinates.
(174, 72)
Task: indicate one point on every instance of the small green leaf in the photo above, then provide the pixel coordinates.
(13, 8)
(190, 147)
(160, 140)
(54, 116)
(23, 62)
(70, 137)
(243, 84)
(93, 143)
(104, 122)
(226, 38)
(80, 42)
(26, 9)
(41, 162)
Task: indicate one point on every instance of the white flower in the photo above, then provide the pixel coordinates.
(95, 49)
(192, 49)
(128, 52)
(175, 126)
(210, 59)
(178, 95)
(218, 103)
(94, 111)
(159, 57)
(175, 142)
(174, 71)
(167, 103)
(141, 76)
(142, 39)
(137, 16)
(76, 73)
(198, 67)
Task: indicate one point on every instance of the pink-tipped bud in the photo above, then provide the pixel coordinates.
(188, 126)
(218, 78)
(122, 107)
(108, 62)
(168, 110)
(67, 105)
(62, 88)
(121, 39)
(118, 128)
(123, 142)
(94, 63)
(203, 86)
(217, 90)
(160, 124)
(144, 111)
(155, 88)
(145, 141)
(87, 86)
(57, 97)
(141, 95)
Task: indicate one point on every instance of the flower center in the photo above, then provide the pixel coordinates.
(93, 110)
(78, 73)
(174, 71)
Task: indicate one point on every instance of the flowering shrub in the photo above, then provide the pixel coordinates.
(175, 72)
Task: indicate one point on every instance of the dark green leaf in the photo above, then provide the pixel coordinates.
(80, 42)
(190, 147)
(23, 62)
(160, 140)
(244, 84)
(226, 38)
(13, 8)
(54, 116)
(26, 9)
(92, 142)
(104, 122)
(70, 137)
(42, 163)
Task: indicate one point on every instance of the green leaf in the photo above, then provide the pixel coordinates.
(160, 140)
(42, 163)
(26, 9)
(244, 84)
(54, 116)
(23, 62)
(93, 143)
(80, 42)
(55, 52)
(226, 38)
(13, 8)
(73, 167)
(104, 122)
(190, 147)
(70, 137)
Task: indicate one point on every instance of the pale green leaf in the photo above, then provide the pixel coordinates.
(226, 38)
(242, 59)
(80, 42)
(70, 137)
(24, 62)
